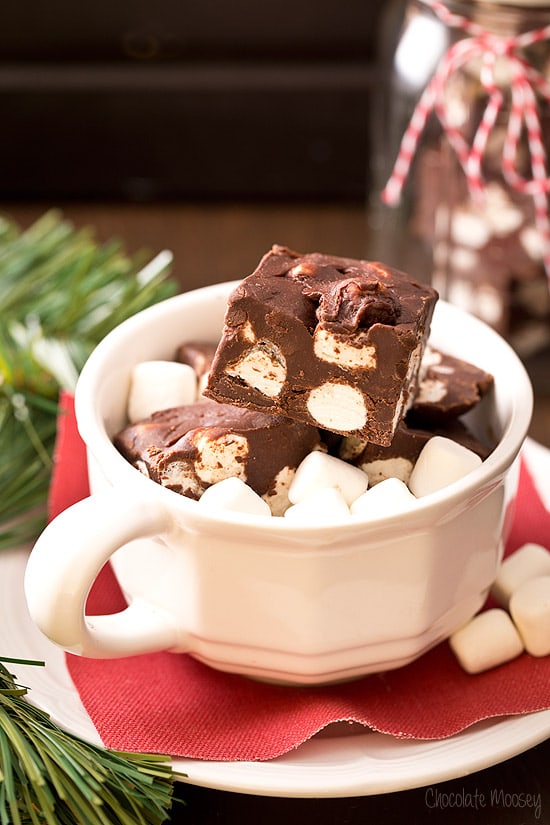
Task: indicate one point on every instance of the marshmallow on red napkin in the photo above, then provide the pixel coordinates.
(168, 703)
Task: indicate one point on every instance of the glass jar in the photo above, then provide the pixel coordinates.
(455, 80)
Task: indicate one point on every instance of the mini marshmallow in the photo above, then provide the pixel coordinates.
(529, 561)
(326, 506)
(319, 470)
(233, 494)
(530, 610)
(441, 461)
(470, 229)
(487, 640)
(160, 385)
(387, 498)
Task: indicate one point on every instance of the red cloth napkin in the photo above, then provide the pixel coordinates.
(167, 703)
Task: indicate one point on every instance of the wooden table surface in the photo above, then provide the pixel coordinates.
(218, 242)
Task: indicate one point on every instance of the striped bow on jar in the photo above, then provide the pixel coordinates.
(472, 161)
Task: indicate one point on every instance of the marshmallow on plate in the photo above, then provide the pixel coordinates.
(529, 561)
(319, 470)
(160, 385)
(530, 610)
(387, 498)
(487, 640)
(233, 494)
(441, 462)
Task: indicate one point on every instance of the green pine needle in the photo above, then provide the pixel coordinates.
(60, 293)
(27, 436)
(49, 777)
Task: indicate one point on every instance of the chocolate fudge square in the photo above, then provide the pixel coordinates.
(189, 448)
(449, 388)
(398, 459)
(333, 342)
(197, 354)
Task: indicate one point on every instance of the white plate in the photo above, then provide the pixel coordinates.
(344, 761)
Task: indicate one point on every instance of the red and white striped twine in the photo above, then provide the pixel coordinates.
(525, 84)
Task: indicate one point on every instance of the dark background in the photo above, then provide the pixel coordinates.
(176, 99)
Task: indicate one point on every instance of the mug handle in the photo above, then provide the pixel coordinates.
(65, 562)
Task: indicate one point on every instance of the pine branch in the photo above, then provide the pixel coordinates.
(48, 777)
(60, 293)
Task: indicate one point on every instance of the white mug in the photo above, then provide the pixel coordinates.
(259, 595)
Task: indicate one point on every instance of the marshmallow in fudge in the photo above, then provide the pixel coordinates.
(189, 448)
(333, 342)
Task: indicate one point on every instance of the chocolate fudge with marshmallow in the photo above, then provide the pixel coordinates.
(333, 342)
(398, 459)
(189, 448)
(197, 354)
(449, 387)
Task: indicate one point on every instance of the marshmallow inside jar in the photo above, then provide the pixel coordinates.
(361, 595)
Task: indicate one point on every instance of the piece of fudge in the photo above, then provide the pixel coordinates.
(448, 388)
(398, 459)
(197, 354)
(333, 342)
(189, 448)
